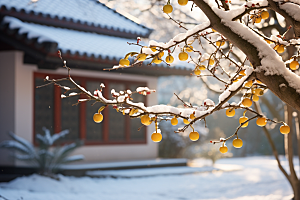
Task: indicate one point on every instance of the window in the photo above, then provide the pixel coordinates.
(58, 114)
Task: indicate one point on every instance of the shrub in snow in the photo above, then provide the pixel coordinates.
(47, 158)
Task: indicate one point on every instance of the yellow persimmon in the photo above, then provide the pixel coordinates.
(284, 129)
(167, 9)
(174, 121)
(294, 65)
(247, 102)
(264, 14)
(141, 57)
(183, 56)
(156, 137)
(262, 121)
(124, 62)
(237, 143)
(242, 120)
(194, 136)
(230, 112)
(169, 59)
(98, 117)
(223, 149)
(182, 2)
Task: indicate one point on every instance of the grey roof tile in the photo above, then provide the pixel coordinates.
(91, 12)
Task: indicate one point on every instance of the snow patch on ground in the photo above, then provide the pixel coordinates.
(260, 180)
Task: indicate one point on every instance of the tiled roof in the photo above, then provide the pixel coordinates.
(82, 49)
(73, 41)
(90, 12)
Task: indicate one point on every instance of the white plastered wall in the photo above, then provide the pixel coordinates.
(23, 113)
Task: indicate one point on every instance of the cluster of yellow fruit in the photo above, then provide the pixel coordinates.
(241, 74)
(261, 121)
(280, 48)
(198, 69)
(237, 143)
(142, 56)
(157, 137)
(256, 92)
(263, 15)
(168, 8)
(194, 135)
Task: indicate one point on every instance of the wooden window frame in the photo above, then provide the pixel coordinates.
(82, 110)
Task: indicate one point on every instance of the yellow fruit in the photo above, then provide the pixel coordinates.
(242, 120)
(258, 19)
(223, 149)
(156, 137)
(174, 121)
(192, 116)
(259, 92)
(182, 2)
(167, 8)
(169, 59)
(211, 61)
(230, 112)
(235, 80)
(161, 54)
(201, 67)
(220, 43)
(237, 143)
(247, 102)
(249, 83)
(141, 57)
(243, 72)
(261, 121)
(268, 41)
(124, 62)
(194, 136)
(284, 129)
(148, 123)
(185, 121)
(213, 30)
(280, 49)
(98, 117)
(145, 119)
(156, 60)
(183, 56)
(188, 48)
(133, 111)
(258, 81)
(153, 49)
(255, 98)
(264, 14)
(197, 72)
(294, 65)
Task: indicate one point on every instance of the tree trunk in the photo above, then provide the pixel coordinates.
(288, 147)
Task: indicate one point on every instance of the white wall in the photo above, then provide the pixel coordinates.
(23, 109)
(7, 107)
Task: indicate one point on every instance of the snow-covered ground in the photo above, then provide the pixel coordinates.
(260, 179)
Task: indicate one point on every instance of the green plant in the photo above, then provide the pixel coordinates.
(47, 159)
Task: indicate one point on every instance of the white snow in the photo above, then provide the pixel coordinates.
(91, 12)
(75, 41)
(260, 179)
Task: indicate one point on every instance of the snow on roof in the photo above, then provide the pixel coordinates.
(75, 41)
(91, 12)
